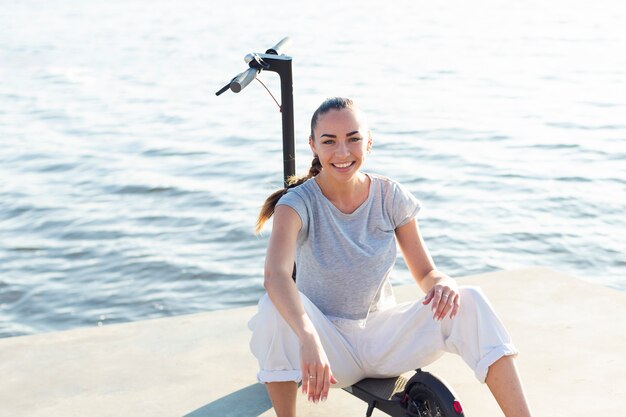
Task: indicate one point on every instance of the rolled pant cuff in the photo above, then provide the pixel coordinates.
(496, 353)
(279, 376)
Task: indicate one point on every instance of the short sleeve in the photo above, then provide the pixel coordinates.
(404, 206)
(296, 202)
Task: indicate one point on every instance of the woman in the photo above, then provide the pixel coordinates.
(338, 323)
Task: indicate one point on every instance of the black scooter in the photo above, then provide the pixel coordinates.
(423, 394)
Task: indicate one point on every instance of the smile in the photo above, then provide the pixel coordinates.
(343, 164)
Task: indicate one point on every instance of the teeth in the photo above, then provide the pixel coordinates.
(344, 165)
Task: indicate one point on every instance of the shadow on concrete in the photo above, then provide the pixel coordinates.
(251, 401)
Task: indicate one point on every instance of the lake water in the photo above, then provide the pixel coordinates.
(129, 191)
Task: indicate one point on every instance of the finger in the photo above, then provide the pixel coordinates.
(445, 299)
(305, 381)
(326, 386)
(311, 382)
(440, 307)
(304, 384)
(328, 379)
(429, 297)
(436, 300)
(314, 377)
(453, 305)
(319, 386)
(447, 307)
(457, 304)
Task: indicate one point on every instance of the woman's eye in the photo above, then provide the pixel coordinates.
(356, 139)
(328, 142)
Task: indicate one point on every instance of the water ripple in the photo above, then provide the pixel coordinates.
(129, 191)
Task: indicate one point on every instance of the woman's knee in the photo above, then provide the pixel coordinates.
(472, 294)
(472, 301)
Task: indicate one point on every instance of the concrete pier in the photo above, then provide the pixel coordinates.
(571, 335)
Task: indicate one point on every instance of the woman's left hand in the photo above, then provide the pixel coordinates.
(445, 299)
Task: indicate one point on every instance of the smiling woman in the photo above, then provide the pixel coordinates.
(339, 322)
(349, 146)
(342, 148)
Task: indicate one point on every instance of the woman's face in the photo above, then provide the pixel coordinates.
(342, 141)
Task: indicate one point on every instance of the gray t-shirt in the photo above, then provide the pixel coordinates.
(343, 260)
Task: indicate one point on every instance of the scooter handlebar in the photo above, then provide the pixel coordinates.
(280, 47)
(242, 80)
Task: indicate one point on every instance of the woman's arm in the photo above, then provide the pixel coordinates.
(283, 292)
(439, 288)
(279, 263)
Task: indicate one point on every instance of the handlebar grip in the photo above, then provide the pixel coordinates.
(280, 46)
(242, 80)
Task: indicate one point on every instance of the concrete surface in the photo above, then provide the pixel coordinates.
(570, 334)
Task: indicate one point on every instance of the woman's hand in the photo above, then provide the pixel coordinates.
(444, 296)
(316, 373)
(440, 289)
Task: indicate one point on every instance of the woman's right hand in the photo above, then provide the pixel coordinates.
(316, 373)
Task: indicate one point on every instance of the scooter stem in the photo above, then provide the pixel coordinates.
(281, 64)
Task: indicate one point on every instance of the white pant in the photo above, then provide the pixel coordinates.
(392, 341)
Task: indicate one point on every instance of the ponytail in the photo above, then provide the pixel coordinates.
(270, 203)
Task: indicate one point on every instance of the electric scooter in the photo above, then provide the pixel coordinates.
(422, 394)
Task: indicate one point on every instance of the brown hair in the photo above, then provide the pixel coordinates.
(334, 103)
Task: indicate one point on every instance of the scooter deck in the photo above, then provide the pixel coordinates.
(382, 388)
(386, 394)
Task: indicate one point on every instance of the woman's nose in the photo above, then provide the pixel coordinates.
(342, 149)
